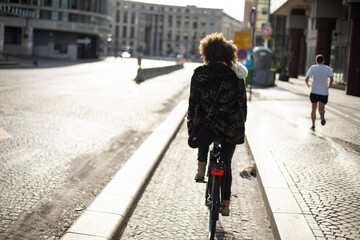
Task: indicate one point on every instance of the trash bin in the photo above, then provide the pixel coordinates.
(262, 74)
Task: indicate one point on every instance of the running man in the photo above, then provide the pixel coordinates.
(320, 87)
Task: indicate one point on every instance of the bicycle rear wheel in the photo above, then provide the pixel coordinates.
(214, 207)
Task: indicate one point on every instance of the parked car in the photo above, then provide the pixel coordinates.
(125, 55)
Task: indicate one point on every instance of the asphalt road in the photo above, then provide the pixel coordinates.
(65, 129)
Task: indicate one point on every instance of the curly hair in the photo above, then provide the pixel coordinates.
(215, 48)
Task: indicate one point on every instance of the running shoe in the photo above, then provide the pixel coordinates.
(323, 121)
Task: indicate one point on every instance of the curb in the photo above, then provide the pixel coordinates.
(107, 215)
(146, 73)
(287, 219)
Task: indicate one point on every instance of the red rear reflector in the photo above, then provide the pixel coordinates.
(217, 172)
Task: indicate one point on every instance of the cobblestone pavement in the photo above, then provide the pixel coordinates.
(324, 165)
(172, 207)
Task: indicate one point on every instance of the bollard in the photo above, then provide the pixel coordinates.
(138, 76)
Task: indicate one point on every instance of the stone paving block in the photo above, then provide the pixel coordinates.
(96, 224)
(318, 233)
(282, 201)
(121, 186)
(75, 236)
(110, 203)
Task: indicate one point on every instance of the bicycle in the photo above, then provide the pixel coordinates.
(214, 187)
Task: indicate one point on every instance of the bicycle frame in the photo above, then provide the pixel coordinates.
(214, 187)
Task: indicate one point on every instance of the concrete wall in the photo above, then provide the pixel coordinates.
(48, 51)
(146, 73)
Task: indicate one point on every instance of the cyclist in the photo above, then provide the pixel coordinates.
(228, 111)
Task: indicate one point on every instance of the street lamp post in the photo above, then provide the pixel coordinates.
(267, 22)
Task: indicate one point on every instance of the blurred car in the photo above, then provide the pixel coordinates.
(125, 55)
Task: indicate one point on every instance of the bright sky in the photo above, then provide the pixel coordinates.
(234, 8)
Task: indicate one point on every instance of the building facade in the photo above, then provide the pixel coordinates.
(328, 27)
(261, 7)
(68, 29)
(164, 30)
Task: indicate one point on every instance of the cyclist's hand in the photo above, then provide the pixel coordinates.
(190, 125)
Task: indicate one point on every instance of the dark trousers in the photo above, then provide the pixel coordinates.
(227, 152)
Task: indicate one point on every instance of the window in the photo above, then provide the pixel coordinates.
(55, 3)
(65, 16)
(55, 16)
(73, 4)
(47, 3)
(85, 19)
(60, 48)
(132, 32)
(117, 16)
(45, 14)
(194, 36)
(132, 17)
(64, 3)
(178, 21)
(124, 31)
(12, 35)
(125, 17)
(169, 35)
(203, 26)
(170, 21)
(264, 11)
(195, 25)
(74, 18)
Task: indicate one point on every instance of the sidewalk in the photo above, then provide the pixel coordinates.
(338, 100)
(310, 179)
(39, 62)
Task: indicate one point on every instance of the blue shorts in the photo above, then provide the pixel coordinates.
(314, 98)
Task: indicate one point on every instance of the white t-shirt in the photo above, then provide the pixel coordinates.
(320, 74)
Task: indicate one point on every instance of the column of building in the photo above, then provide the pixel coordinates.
(353, 77)
(297, 23)
(325, 13)
(2, 35)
